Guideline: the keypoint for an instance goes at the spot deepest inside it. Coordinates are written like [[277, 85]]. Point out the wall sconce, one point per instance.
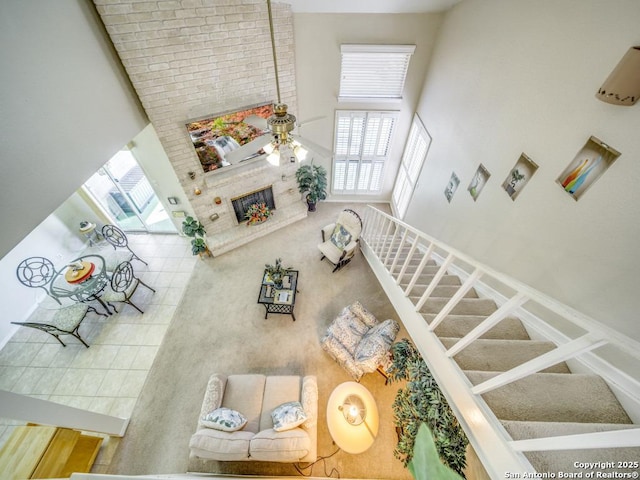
[[622, 86]]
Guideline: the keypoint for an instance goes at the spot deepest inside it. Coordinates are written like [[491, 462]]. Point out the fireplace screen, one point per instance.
[[242, 203]]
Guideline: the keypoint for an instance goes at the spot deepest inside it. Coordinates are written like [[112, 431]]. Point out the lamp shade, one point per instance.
[[622, 87], [352, 417]]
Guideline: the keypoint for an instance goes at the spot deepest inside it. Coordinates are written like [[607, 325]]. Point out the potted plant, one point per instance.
[[312, 181], [194, 229], [422, 401], [276, 273]]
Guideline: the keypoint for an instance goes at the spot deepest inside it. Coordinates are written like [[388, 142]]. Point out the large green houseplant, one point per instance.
[[312, 181], [421, 401], [194, 229]]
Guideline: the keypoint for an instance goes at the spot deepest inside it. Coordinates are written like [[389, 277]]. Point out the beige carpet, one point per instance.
[[219, 327]]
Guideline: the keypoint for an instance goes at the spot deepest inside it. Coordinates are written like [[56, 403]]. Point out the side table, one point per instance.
[[281, 300]]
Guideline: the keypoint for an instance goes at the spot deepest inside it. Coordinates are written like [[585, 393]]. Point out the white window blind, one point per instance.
[[373, 72], [362, 144], [415, 152]]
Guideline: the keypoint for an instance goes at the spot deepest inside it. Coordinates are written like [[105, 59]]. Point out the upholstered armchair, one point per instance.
[[358, 342], [340, 239]]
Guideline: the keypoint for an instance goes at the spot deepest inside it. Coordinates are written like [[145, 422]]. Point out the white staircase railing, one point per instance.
[[391, 246]]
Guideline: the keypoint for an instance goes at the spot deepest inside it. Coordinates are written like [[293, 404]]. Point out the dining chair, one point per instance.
[[118, 239], [66, 321], [37, 272], [123, 285]]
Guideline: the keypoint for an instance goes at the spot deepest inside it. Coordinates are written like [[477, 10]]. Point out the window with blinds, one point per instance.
[[415, 152], [362, 144], [373, 72]]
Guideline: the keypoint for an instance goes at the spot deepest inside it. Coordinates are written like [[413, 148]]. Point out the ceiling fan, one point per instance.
[[279, 125]]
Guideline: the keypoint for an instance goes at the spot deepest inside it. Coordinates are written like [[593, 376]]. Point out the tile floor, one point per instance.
[[107, 377]]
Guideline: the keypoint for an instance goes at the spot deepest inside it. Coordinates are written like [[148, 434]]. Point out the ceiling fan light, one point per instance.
[[300, 152], [274, 157], [269, 147]]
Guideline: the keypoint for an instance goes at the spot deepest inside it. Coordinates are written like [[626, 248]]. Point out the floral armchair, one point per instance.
[[340, 239], [357, 341]]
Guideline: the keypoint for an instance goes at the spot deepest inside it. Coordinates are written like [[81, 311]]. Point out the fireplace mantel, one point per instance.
[[226, 233]]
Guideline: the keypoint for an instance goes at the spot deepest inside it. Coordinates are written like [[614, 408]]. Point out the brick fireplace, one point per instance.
[[194, 58]]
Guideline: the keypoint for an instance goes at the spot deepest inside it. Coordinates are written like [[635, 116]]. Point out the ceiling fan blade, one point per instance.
[[256, 121], [314, 147], [248, 150], [310, 120]]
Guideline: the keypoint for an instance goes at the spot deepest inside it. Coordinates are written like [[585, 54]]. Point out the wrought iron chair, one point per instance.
[[118, 239], [37, 272], [340, 239], [66, 321], [123, 285]]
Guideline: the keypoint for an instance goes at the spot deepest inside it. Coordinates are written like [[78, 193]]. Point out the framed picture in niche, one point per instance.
[[478, 182], [452, 186], [519, 176], [588, 165]]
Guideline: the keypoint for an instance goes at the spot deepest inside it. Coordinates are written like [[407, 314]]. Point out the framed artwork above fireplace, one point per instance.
[[215, 136]]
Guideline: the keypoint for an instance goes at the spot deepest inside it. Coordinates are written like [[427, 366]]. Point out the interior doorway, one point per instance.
[[123, 191]]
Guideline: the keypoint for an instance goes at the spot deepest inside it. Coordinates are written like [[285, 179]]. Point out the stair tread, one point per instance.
[[553, 397], [499, 355], [466, 306], [460, 325], [565, 460]]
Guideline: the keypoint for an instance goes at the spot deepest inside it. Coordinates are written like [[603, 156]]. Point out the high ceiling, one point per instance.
[[369, 6]]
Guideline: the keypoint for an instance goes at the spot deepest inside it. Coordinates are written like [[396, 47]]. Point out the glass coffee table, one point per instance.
[[279, 300]]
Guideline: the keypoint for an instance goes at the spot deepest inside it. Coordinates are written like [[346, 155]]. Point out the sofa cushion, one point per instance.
[[271, 446], [278, 389], [243, 393], [348, 329], [219, 445], [363, 314], [287, 416], [375, 344], [224, 419]]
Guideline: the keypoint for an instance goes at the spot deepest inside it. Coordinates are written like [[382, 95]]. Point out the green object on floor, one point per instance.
[[426, 464]]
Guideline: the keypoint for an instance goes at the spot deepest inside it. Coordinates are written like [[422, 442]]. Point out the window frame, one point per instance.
[[367, 69], [410, 168], [356, 157]]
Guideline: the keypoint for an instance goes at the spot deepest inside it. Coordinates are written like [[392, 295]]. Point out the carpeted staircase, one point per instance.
[[549, 403]]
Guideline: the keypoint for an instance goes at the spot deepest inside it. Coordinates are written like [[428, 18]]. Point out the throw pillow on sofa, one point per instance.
[[224, 419], [287, 416]]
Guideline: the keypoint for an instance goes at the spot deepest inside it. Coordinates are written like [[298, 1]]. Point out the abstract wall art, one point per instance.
[[589, 164]]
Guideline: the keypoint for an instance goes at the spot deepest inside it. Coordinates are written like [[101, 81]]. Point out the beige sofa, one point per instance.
[[256, 396]]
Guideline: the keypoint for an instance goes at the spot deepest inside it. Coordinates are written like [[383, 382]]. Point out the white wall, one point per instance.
[[520, 76], [153, 160], [66, 108], [57, 239], [317, 52]]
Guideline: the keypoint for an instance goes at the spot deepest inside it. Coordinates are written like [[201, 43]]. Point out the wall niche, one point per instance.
[[588, 165]]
